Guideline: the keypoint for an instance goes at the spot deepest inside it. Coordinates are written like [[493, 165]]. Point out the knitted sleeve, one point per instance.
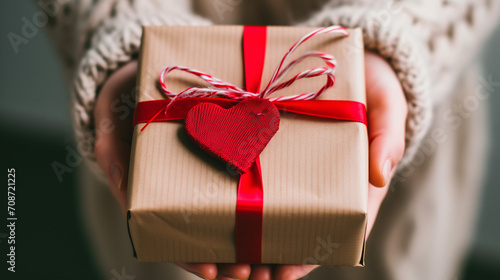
[[428, 43], [94, 38]]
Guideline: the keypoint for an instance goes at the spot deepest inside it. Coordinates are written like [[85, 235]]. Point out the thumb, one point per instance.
[[387, 110]]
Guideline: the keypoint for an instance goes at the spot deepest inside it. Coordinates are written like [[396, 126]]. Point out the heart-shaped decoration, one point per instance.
[[236, 135]]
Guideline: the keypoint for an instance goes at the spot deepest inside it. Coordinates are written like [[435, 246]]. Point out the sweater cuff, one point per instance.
[[115, 44], [392, 36]]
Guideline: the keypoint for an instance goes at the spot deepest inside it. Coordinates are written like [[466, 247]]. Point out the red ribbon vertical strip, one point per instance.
[[250, 197], [254, 53], [249, 206]]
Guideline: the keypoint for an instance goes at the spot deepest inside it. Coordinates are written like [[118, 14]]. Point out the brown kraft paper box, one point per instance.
[[182, 203]]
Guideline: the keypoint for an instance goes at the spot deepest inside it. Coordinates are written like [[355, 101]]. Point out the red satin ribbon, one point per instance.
[[250, 198], [343, 110]]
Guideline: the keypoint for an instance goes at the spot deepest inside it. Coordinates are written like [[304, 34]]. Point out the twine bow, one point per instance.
[[227, 90], [224, 89]]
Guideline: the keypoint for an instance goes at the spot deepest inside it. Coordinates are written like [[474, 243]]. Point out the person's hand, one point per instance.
[[387, 110]]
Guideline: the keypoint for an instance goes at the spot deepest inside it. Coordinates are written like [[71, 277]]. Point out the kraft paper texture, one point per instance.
[[182, 203]]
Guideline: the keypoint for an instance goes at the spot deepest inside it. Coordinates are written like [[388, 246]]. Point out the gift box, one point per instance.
[[184, 205]]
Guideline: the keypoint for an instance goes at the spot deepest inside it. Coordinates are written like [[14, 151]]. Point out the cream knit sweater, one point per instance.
[[428, 42]]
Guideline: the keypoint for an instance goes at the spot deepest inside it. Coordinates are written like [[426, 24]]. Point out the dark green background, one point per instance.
[[35, 132]]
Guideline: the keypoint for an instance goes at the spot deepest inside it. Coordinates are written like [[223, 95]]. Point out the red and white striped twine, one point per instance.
[[224, 89]]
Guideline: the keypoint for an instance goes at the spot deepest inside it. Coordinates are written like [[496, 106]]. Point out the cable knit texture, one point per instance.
[[405, 54], [108, 34], [428, 43]]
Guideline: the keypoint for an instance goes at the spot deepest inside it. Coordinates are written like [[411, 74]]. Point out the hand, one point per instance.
[[387, 110]]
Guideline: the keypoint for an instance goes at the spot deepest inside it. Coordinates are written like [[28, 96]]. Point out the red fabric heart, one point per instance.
[[236, 135]]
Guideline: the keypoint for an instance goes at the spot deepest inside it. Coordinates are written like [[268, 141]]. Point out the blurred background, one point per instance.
[[36, 132]]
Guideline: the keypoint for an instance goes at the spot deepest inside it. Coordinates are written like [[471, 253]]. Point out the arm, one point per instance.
[[98, 43], [94, 40], [427, 43]]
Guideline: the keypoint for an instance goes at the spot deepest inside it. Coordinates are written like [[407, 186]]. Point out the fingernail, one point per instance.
[[201, 276], [234, 278], [386, 171], [117, 176]]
